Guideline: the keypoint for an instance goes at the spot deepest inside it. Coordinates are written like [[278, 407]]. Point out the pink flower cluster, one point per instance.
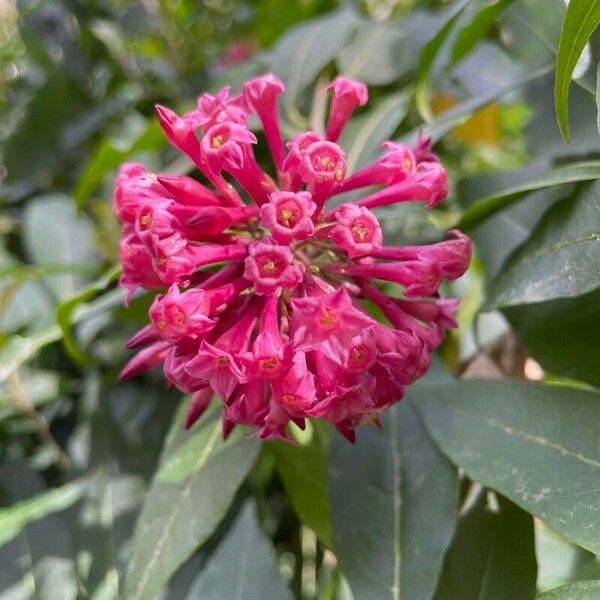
[[267, 298]]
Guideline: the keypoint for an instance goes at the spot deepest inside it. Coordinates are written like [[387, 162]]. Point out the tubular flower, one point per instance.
[[262, 291]]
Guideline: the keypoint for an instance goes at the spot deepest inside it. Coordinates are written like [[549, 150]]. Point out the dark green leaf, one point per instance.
[[244, 565], [562, 335], [537, 445], [189, 497], [303, 469], [581, 19], [582, 590], [482, 209], [394, 507], [492, 555], [560, 258]]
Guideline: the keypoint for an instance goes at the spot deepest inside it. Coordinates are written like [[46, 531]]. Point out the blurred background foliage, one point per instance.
[[78, 450]]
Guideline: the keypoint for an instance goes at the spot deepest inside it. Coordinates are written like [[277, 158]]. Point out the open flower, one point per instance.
[[262, 291]]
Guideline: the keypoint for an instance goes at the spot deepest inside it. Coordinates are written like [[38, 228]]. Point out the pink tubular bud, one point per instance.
[[199, 402], [188, 191], [357, 230], [144, 360], [452, 256], [419, 278], [347, 95], [178, 132], [261, 94]]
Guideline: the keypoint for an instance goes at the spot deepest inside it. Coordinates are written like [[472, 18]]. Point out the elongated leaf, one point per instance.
[[476, 29], [67, 308], [303, 469], [484, 208], [379, 54], [302, 53], [14, 518], [19, 349], [562, 335], [492, 555], [537, 445], [243, 566], [428, 57], [559, 260], [394, 507], [581, 590], [54, 235], [364, 135], [191, 493], [451, 119], [581, 19]]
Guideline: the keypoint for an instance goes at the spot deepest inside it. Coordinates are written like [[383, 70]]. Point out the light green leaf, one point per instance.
[[535, 444], [303, 469], [14, 518], [581, 590], [394, 508], [54, 235], [581, 19], [559, 260], [189, 497], [428, 57], [301, 54], [243, 566], [379, 53], [66, 309], [476, 29], [492, 555], [364, 134], [453, 118], [482, 209], [19, 349]]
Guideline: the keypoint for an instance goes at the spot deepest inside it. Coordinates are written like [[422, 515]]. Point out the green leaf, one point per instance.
[[244, 565], [581, 19], [14, 518], [303, 469], [427, 60], [492, 555], [394, 508], [364, 134], [476, 29], [66, 309], [189, 497], [305, 50], [562, 335], [453, 118], [110, 154], [19, 349], [482, 209], [379, 54], [535, 444], [54, 235], [582, 590], [559, 260]]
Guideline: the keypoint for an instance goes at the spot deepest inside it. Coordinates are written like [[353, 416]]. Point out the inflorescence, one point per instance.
[[267, 285]]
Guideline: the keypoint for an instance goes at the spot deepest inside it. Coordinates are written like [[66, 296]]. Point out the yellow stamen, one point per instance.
[[217, 142]]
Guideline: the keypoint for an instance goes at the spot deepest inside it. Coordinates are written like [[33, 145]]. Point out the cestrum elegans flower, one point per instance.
[[262, 288]]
